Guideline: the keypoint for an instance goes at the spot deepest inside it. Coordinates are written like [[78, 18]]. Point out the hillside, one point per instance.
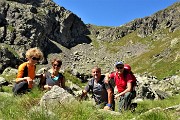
[[150, 45]]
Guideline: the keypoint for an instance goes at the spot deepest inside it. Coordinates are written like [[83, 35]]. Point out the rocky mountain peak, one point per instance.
[[60, 33], [167, 18]]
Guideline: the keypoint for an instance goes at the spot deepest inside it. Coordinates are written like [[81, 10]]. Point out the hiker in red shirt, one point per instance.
[[124, 83]]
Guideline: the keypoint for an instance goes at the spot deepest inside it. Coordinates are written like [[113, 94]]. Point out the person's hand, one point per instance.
[[116, 96], [47, 87], [29, 80], [107, 108]]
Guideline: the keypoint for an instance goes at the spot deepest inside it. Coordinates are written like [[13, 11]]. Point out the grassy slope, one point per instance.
[[80, 110], [161, 66]]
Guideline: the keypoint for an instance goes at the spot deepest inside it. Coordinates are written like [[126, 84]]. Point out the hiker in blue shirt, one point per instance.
[[102, 92], [53, 76]]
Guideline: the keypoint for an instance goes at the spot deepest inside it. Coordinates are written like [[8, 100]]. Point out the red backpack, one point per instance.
[[127, 67]]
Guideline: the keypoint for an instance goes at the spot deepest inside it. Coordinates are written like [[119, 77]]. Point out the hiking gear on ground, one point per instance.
[[132, 107]]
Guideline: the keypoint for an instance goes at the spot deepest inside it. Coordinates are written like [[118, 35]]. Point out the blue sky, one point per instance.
[[113, 12]]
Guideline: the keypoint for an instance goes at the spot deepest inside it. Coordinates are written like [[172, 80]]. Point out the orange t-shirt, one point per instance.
[[31, 72]]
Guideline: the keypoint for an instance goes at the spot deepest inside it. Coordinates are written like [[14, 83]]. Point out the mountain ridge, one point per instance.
[[60, 33]]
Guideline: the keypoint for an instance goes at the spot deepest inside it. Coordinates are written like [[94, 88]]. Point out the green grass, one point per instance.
[[73, 79], [156, 61], [95, 43], [16, 107], [10, 28], [158, 115], [23, 107]]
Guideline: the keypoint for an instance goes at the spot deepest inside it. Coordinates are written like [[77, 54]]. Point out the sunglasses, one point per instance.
[[56, 65], [119, 67], [34, 58]]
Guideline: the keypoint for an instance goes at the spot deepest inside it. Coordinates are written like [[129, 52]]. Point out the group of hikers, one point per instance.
[[101, 86]]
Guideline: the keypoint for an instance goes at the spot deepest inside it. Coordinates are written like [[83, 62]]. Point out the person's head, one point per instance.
[[34, 55], [56, 64], [96, 73], [127, 67], [119, 67]]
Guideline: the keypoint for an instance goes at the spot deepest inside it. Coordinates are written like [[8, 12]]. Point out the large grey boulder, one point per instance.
[[10, 71], [56, 96]]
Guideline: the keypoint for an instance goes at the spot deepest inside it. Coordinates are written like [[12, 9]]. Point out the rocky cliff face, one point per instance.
[[167, 18], [29, 23], [60, 33]]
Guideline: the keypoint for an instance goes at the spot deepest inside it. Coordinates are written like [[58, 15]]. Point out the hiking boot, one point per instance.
[[133, 107]]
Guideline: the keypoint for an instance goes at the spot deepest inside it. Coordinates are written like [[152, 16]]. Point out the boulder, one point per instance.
[[56, 96]]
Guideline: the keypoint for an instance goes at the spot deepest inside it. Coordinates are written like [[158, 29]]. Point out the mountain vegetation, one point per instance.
[[151, 45]]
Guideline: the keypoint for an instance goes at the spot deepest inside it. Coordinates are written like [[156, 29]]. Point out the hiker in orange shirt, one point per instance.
[[26, 71]]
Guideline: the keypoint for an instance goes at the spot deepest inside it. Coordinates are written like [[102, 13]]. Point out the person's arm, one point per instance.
[[46, 75], [84, 92], [20, 73], [107, 78], [128, 89], [21, 70], [109, 90], [20, 80], [110, 98], [110, 95]]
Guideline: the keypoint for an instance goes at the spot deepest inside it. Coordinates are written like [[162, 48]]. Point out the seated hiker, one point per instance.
[[101, 91], [26, 71], [53, 76], [123, 81]]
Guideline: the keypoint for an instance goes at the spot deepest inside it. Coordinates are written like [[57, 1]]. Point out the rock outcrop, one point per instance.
[[167, 18], [31, 23], [56, 96]]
